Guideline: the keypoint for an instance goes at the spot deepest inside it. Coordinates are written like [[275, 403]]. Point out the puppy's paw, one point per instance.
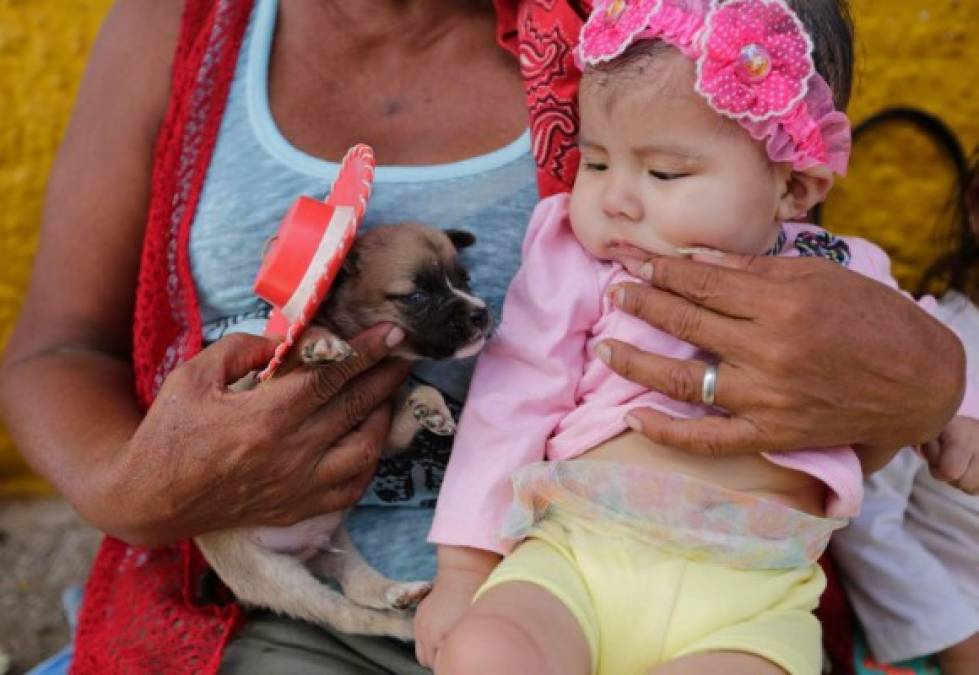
[[428, 408], [247, 383], [329, 349], [407, 595]]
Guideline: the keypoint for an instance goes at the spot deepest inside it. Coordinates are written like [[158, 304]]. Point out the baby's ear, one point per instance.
[[461, 238], [803, 190]]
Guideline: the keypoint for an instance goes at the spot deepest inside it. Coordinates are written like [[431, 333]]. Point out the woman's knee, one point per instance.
[[492, 644]]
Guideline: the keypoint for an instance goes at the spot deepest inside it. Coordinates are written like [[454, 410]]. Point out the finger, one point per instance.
[[681, 318], [734, 261], [234, 356], [354, 402], [712, 435], [423, 653], [305, 389], [951, 463], [728, 290], [931, 451], [969, 482], [356, 451], [677, 379]]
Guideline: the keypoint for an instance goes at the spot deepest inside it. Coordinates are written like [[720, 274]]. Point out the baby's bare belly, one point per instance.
[[745, 473]]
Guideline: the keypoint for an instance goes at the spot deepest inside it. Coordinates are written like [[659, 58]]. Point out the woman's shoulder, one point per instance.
[[135, 49]]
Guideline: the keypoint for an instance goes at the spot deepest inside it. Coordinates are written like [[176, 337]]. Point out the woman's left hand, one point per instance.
[[809, 354]]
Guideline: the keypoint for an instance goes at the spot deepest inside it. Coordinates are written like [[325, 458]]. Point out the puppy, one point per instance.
[[408, 275]]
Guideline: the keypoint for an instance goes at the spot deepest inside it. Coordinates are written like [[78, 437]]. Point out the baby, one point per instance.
[[704, 125]]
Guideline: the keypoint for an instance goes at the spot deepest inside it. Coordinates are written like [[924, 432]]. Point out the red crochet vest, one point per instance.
[[144, 610]]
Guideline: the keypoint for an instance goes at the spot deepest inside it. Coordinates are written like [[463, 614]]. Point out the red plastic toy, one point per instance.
[[303, 259]]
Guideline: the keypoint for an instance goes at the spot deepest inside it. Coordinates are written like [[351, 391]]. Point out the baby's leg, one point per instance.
[[728, 663], [516, 627]]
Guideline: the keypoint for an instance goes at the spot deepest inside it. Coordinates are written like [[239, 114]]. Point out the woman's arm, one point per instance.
[[202, 458], [811, 355]]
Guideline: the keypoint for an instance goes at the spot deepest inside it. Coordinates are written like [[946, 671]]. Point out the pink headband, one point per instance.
[[754, 65]]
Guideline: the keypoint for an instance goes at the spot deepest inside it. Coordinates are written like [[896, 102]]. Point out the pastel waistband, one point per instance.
[[669, 510]]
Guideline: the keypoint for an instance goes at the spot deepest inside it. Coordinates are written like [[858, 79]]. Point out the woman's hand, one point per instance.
[[809, 354], [207, 458]]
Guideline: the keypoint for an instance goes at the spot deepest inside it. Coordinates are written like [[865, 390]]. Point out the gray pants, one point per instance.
[[273, 645]]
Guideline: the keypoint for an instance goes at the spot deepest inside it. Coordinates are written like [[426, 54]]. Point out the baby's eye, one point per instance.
[[595, 166], [667, 175]]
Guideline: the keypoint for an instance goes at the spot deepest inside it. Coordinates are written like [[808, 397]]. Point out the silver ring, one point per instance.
[[710, 385]]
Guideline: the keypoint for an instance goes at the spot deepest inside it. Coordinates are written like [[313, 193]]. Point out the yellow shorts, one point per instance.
[[639, 607]]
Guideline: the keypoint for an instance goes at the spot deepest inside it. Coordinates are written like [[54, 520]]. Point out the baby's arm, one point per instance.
[[525, 382], [461, 571], [953, 457]]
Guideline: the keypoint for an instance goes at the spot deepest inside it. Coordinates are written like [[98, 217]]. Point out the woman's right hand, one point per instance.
[[205, 457]]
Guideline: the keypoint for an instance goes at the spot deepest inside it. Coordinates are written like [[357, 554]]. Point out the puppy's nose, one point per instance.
[[479, 317]]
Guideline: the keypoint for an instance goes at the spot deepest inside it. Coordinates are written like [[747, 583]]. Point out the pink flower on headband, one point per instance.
[[756, 60], [612, 26]]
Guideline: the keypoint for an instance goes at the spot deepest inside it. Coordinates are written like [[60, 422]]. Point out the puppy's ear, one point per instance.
[[461, 238], [351, 265]]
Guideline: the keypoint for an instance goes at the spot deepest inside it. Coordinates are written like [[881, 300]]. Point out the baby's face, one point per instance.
[[660, 170]]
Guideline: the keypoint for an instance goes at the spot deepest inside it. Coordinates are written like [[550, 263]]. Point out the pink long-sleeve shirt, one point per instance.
[[539, 391]]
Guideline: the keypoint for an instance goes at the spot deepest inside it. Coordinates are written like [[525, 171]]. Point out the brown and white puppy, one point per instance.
[[408, 275]]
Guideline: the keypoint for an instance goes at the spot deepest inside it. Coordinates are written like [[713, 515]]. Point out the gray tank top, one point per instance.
[[256, 174]]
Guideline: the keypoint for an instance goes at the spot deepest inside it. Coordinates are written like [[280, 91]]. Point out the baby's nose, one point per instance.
[[620, 200]]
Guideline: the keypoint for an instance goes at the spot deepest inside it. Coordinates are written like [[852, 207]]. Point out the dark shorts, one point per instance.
[[270, 643]]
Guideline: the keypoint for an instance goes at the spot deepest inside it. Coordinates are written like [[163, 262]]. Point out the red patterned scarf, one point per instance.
[[145, 610]]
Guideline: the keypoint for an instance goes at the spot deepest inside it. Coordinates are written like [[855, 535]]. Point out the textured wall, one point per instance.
[[912, 52], [921, 53], [43, 44]]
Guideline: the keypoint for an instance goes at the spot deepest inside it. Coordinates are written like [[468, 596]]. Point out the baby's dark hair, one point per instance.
[[958, 268], [828, 23]]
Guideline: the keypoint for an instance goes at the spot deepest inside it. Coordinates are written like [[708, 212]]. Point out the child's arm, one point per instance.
[[953, 457], [525, 381]]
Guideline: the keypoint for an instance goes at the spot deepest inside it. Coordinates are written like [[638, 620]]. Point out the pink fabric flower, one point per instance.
[[756, 59], [612, 26]]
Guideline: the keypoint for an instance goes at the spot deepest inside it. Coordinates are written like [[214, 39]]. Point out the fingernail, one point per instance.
[[604, 352], [617, 295], [394, 337], [633, 423], [646, 271], [694, 251]]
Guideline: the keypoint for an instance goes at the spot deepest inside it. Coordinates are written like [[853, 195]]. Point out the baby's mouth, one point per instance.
[[625, 250]]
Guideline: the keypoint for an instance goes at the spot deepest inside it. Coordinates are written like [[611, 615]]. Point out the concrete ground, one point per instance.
[[44, 548]]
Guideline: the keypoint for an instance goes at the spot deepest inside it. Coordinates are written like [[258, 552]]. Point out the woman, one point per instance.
[[261, 98]]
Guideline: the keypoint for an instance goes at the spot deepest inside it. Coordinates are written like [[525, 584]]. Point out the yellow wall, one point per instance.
[[43, 45], [912, 52], [921, 53]]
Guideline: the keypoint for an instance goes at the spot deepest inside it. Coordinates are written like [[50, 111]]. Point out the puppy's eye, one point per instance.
[[415, 299]]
